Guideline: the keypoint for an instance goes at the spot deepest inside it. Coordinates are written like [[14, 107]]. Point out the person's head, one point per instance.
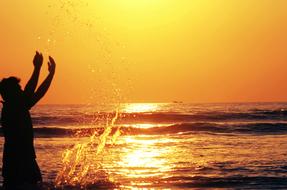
[[10, 89]]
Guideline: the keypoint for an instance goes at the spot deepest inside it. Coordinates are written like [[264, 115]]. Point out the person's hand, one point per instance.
[[38, 60], [51, 65]]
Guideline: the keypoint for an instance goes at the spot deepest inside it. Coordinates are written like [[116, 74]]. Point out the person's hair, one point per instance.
[[8, 87]]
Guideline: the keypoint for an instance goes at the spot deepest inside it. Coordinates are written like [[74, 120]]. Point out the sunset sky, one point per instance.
[[150, 50]]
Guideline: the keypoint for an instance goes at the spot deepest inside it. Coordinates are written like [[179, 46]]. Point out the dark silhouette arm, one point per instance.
[[43, 88], [32, 83]]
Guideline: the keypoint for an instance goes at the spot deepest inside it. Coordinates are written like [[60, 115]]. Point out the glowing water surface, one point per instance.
[[173, 162], [140, 107], [166, 160]]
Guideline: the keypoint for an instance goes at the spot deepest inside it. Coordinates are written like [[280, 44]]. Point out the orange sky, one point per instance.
[[150, 50]]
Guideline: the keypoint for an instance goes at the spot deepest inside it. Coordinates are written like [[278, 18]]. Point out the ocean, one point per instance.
[[162, 145]]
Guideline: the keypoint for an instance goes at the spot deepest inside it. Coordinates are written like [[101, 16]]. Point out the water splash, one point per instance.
[[80, 165], [75, 18]]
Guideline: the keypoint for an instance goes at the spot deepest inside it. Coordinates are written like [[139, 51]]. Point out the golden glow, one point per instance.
[[144, 125], [151, 50], [138, 4], [140, 107], [144, 157]]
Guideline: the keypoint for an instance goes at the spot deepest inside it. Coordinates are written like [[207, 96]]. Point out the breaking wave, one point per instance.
[[184, 128]]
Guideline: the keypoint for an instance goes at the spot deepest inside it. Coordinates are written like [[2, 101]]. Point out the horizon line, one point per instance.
[[171, 102]]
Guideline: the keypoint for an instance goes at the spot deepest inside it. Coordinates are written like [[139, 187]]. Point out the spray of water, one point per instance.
[[79, 165]]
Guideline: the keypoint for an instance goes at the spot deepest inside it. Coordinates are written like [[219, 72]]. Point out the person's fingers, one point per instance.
[[51, 60]]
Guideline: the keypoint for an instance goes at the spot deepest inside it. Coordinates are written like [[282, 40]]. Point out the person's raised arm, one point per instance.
[[43, 88], [32, 83]]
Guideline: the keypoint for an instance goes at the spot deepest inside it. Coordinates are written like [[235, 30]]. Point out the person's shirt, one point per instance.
[[17, 129]]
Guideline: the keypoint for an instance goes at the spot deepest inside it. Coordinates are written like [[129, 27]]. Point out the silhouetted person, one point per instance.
[[20, 169]]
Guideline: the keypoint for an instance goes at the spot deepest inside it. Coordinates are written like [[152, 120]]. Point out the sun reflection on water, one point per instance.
[[144, 158], [140, 107]]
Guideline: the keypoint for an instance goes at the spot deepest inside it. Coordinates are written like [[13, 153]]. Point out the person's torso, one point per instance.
[[18, 131]]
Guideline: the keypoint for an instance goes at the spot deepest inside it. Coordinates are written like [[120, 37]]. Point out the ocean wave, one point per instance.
[[242, 182], [234, 128], [175, 182], [161, 117], [180, 129]]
